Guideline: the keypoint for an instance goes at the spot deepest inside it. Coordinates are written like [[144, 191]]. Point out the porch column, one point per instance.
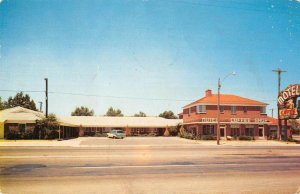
[[1, 130]]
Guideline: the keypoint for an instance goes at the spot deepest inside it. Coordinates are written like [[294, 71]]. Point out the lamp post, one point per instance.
[[219, 91]]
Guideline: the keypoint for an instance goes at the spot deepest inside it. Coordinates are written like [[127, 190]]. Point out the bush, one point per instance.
[[13, 135], [291, 140], [28, 135], [184, 134], [51, 134], [208, 137], [246, 138], [174, 130]]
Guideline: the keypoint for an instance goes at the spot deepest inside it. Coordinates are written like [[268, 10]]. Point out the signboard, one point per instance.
[[260, 120], [287, 102], [240, 120], [209, 120]]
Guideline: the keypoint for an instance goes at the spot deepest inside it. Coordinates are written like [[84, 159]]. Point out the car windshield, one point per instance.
[[120, 132]]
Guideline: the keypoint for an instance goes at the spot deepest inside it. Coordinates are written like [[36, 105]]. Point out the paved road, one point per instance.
[[172, 167]]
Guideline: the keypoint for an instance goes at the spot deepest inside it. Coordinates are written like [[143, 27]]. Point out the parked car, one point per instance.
[[119, 134]]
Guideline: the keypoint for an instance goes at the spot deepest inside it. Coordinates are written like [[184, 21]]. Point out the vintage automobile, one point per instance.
[[118, 134]]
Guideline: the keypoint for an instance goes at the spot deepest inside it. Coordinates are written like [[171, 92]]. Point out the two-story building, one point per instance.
[[239, 116]]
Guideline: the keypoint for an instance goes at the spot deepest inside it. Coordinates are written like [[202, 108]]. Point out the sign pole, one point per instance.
[[278, 71]]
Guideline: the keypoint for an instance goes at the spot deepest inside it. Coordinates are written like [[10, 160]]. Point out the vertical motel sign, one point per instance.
[[289, 108]]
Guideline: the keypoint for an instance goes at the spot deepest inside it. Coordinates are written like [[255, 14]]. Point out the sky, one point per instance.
[[146, 55]]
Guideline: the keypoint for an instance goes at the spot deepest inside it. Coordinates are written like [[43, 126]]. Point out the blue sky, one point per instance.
[[146, 55]]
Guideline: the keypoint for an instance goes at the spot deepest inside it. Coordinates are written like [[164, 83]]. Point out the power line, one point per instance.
[[101, 96], [116, 97]]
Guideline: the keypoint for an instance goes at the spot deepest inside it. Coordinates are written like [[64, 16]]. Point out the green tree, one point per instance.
[[168, 115], [114, 112], [46, 128], [140, 114], [83, 111], [21, 100], [2, 106]]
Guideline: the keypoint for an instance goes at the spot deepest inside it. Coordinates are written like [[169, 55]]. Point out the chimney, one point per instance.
[[208, 93]]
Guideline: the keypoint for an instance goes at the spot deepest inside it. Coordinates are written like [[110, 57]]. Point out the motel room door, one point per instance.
[[222, 132]]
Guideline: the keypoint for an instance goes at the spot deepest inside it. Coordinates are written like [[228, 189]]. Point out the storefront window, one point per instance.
[[249, 132], [235, 132], [208, 129]]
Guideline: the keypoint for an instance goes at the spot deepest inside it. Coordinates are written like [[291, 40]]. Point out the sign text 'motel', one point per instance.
[[289, 92], [287, 101]]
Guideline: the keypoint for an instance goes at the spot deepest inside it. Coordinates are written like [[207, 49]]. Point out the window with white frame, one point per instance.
[[201, 109], [233, 110], [263, 110]]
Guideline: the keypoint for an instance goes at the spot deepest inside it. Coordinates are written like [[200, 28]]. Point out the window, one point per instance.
[[221, 109], [249, 132], [245, 109], [235, 132], [233, 110], [263, 110], [208, 129], [201, 108]]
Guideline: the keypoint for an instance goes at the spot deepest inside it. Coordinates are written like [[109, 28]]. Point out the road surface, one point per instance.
[[171, 167]]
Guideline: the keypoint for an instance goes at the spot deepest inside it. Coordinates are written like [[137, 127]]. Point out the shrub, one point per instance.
[[291, 140], [184, 134], [51, 134], [173, 131], [28, 135], [209, 137], [246, 138], [13, 135]]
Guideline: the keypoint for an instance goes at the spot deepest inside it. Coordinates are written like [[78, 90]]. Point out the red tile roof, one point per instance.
[[273, 121], [227, 99]]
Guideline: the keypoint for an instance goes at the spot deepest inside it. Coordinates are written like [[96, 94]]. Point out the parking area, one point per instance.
[[139, 142], [135, 141]]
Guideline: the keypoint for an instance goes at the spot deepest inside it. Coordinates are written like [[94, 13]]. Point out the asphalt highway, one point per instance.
[[161, 169]]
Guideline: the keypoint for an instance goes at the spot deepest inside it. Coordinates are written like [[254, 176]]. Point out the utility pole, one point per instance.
[[41, 104], [218, 123], [272, 109], [46, 80], [279, 71]]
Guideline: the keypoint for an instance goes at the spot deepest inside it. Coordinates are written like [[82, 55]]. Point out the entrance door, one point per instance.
[[261, 132], [222, 132]]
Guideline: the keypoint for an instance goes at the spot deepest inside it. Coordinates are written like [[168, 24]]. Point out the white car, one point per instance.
[[119, 134]]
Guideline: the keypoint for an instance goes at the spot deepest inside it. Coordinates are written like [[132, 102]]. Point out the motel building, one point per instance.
[[239, 116], [22, 120]]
